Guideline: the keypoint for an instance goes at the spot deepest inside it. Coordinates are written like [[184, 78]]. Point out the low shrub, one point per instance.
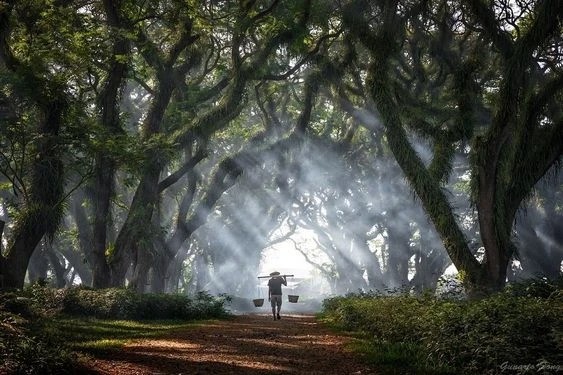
[[125, 304], [393, 318], [26, 347], [540, 287], [481, 336], [511, 328], [104, 303]]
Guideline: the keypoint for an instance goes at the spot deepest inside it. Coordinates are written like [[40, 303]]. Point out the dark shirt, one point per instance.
[[275, 284]]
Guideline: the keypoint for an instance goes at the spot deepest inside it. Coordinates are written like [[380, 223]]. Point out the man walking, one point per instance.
[[275, 292]]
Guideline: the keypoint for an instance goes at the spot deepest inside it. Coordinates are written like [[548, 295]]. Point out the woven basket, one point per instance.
[[258, 302], [292, 299]]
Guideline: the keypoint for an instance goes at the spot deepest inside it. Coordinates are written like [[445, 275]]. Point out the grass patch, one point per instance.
[[94, 336], [388, 357], [395, 358]]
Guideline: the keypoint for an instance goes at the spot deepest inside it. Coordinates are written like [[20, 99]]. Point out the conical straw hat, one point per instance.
[[275, 273]]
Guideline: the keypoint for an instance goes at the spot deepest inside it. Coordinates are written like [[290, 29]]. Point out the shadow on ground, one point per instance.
[[245, 344]]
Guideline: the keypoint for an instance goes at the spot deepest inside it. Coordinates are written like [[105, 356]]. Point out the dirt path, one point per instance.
[[247, 344]]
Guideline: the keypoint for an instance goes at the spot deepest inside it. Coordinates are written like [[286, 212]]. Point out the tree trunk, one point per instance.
[[42, 211], [369, 261], [38, 265], [85, 240], [42, 214], [78, 263], [430, 264], [398, 254], [384, 46], [58, 268], [142, 264], [159, 277], [161, 269], [175, 280], [201, 273], [517, 149], [104, 170], [2, 224], [134, 231], [147, 194], [498, 251]]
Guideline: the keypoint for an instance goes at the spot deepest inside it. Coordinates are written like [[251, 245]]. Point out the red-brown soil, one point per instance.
[[246, 344]]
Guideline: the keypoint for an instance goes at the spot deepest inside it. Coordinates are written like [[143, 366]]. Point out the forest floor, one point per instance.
[[245, 344]]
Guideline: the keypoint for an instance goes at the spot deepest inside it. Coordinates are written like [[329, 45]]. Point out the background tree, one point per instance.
[[167, 128], [38, 74], [500, 183]]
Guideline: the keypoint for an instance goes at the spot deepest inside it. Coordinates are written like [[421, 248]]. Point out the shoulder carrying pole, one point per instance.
[[267, 277]]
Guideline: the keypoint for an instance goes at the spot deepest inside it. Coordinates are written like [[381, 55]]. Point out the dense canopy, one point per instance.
[[164, 145]]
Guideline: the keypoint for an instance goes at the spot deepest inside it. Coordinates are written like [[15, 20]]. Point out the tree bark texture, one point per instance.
[[105, 165]]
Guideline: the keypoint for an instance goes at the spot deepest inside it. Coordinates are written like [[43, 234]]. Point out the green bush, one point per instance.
[[480, 336], [392, 318], [540, 287], [125, 304], [26, 347], [104, 303]]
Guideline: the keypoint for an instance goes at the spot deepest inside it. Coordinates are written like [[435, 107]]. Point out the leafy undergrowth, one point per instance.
[[27, 347], [41, 328], [516, 330]]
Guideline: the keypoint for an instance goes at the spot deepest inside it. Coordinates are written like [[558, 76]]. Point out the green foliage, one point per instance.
[[26, 347], [538, 287], [126, 304], [38, 333], [390, 329], [407, 317], [481, 336], [461, 336]]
